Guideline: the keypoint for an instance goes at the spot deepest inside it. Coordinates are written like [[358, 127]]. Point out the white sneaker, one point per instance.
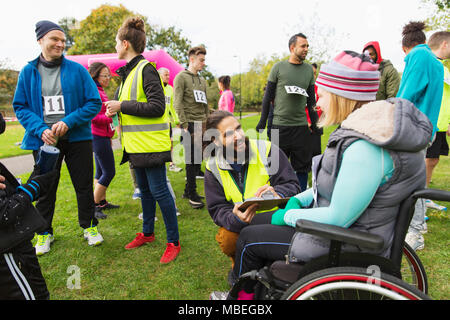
[[178, 213], [425, 228], [218, 295], [93, 236], [430, 204], [173, 167], [137, 194], [141, 215], [43, 243], [415, 240]]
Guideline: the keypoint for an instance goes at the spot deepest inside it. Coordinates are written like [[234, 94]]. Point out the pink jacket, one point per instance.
[[101, 124], [226, 101]]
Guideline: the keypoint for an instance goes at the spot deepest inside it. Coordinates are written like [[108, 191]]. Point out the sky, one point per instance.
[[234, 31]]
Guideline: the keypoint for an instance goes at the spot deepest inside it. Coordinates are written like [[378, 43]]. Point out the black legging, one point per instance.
[[259, 244]]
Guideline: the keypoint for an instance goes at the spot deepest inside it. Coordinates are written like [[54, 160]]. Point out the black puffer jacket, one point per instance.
[[155, 107], [19, 219]]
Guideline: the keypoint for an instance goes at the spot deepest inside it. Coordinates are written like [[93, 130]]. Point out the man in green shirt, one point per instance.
[[290, 87], [191, 104]]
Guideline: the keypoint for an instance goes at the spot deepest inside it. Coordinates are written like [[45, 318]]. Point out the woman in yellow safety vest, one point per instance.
[[144, 127]]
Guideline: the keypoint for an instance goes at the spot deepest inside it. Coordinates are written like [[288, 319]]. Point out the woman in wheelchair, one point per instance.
[[372, 162]]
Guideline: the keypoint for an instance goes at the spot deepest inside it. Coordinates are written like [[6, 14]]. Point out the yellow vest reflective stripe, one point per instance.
[[142, 134], [168, 92], [255, 177]]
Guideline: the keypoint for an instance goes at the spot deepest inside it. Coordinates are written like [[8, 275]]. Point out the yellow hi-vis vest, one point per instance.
[[142, 134], [255, 177], [168, 91]]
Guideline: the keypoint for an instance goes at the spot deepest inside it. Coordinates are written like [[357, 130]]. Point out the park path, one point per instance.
[[24, 164]]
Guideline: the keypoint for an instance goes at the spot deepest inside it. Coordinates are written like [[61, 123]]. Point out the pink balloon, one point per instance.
[[159, 57]]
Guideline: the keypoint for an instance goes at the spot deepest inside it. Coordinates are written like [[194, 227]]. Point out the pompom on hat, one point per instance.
[[350, 75], [43, 27]]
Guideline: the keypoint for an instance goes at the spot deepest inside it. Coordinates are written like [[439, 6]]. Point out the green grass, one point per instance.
[[13, 135], [111, 272]]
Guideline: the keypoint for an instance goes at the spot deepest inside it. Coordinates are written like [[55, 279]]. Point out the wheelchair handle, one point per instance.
[[335, 233], [432, 194]]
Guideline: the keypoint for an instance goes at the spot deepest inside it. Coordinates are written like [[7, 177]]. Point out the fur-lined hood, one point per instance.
[[394, 124]]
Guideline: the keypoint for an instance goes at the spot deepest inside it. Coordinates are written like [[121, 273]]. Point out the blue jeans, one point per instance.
[[153, 185]]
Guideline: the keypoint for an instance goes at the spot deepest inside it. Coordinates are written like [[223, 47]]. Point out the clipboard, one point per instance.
[[264, 204]]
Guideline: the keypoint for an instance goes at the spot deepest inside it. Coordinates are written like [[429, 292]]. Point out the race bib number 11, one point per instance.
[[54, 105], [200, 96]]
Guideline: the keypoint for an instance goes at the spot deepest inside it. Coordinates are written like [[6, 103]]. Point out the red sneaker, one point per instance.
[[171, 253], [139, 241]]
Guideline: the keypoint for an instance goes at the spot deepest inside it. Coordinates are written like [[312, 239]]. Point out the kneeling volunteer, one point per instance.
[[253, 168]]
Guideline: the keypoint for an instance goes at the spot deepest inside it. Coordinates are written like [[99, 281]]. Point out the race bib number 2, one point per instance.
[[54, 105], [296, 90], [200, 96]]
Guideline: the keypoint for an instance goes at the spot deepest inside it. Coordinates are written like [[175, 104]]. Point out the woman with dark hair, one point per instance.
[[102, 132], [422, 84], [226, 101], [144, 129]]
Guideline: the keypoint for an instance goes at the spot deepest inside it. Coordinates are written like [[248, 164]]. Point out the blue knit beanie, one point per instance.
[[43, 27]]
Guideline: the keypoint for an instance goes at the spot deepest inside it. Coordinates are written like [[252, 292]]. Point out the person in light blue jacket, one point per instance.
[[372, 162], [55, 100], [423, 84]]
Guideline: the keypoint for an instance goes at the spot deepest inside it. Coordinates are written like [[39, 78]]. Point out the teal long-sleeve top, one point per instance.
[[423, 82], [364, 168]]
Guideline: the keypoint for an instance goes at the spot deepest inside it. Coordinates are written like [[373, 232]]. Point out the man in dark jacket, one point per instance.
[[390, 79], [20, 273]]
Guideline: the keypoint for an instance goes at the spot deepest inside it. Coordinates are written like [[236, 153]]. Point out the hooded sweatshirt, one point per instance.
[[373, 161], [186, 86], [389, 77]]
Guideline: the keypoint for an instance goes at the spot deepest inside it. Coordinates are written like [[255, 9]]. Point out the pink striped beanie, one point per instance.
[[351, 75]]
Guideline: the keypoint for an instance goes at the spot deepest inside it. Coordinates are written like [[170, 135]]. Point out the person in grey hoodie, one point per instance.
[[372, 162], [191, 105]]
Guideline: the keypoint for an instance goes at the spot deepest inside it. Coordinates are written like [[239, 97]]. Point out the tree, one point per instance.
[[249, 87], [68, 24], [438, 16], [322, 38], [97, 33], [8, 82]]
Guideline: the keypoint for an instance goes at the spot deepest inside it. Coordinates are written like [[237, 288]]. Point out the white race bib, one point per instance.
[[296, 90], [54, 105], [168, 100], [200, 96]]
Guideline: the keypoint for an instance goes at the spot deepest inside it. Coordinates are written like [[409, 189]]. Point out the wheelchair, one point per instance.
[[342, 275]]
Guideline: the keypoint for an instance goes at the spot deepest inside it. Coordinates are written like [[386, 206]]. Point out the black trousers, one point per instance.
[[192, 143], [296, 144], [78, 157], [21, 277], [260, 244]]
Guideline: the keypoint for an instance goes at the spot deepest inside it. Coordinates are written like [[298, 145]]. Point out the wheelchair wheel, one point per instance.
[[412, 269], [349, 283]]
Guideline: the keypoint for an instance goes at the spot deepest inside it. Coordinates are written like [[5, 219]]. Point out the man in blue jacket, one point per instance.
[[55, 100]]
